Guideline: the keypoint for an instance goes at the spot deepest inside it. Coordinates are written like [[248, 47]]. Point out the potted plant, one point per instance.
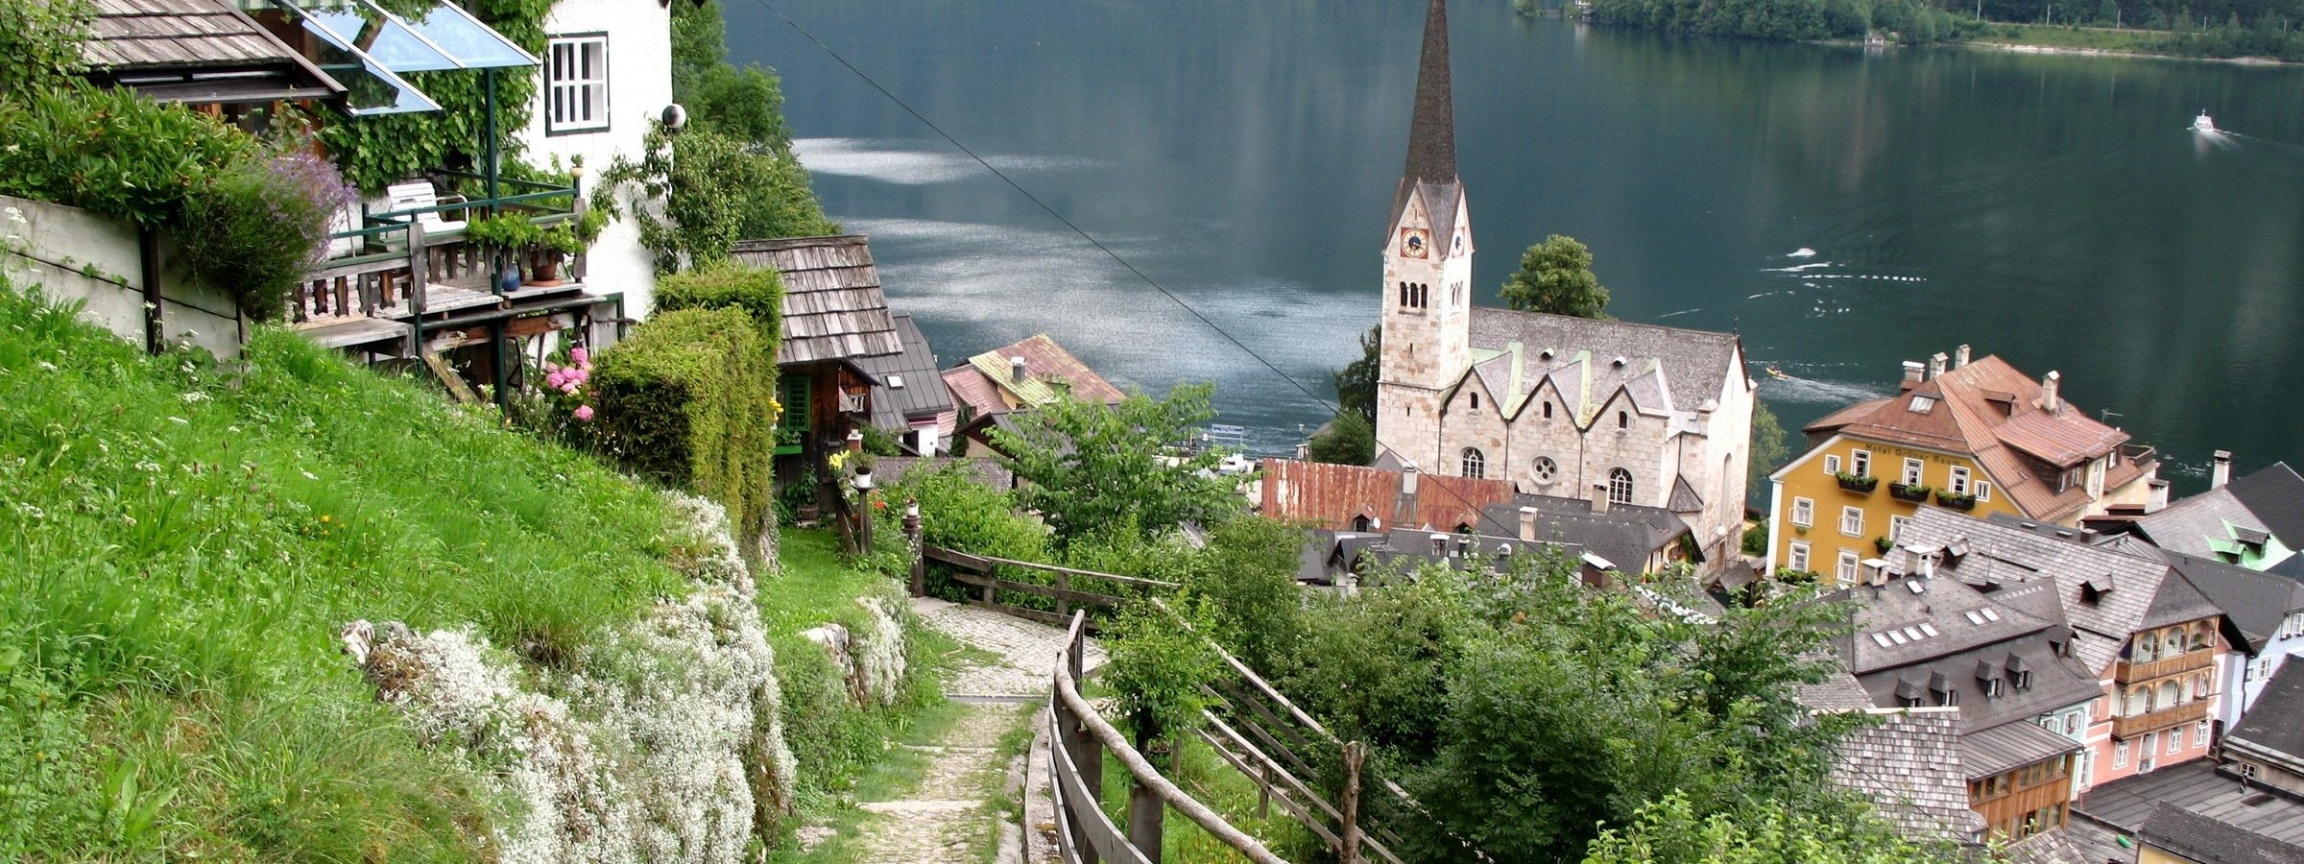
[[1956, 502], [1863, 483], [1909, 491], [558, 243], [1883, 544], [502, 233]]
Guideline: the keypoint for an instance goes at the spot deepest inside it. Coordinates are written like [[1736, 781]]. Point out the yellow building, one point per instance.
[[1977, 437]]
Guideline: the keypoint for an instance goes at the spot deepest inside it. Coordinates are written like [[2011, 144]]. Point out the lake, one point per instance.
[[2054, 210]]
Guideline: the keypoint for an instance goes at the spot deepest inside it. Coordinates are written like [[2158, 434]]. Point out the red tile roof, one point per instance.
[[1332, 496]]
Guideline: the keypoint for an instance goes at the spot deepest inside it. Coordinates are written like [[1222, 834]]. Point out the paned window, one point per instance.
[[1475, 463], [2200, 734], [1983, 490], [1798, 559], [1959, 484], [1896, 527], [1832, 465], [2119, 754], [1803, 512], [578, 87], [1846, 571], [2175, 740], [1619, 486], [1852, 521], [1914, 470], [1860, 463]]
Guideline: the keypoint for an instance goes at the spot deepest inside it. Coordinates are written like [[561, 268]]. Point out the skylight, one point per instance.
[[1974, 618], [1990, 615], [1882, 639], [1914, 633], [1898, 636], [1921, 404], [1929, 629], [895, 382]]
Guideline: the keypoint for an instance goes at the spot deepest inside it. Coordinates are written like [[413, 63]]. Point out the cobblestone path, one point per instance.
[[945, 818]]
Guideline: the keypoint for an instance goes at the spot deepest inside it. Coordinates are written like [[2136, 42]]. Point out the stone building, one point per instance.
[[1630, 414]]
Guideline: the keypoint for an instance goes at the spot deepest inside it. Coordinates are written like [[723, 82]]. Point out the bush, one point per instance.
[[1350, 440], [260, 228], [40, 42], [759, 292], [687, 402]]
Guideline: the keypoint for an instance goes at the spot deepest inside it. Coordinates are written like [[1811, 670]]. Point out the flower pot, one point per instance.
[[1913, 492], [1859, 484], [544, 270]]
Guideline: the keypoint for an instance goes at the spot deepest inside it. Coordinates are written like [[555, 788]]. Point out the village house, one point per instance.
[[2255, 522], [909, 399], [2148, 638], [835, 320], [2245, 806], [1976, 437], [1567, 407], [1017, 377]]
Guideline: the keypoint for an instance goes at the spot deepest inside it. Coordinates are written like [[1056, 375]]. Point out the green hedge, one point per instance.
[[688, 402], [759, 292]]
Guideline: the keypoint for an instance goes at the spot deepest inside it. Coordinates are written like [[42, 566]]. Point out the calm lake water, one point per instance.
[[2054, 210]]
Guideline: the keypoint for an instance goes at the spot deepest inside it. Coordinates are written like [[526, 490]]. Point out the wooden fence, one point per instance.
[[977, 572]]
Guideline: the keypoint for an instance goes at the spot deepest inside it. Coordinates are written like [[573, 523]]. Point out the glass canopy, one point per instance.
[[368, 48]]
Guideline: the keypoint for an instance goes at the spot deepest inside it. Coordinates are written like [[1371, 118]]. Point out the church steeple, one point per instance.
[[1432, 136]]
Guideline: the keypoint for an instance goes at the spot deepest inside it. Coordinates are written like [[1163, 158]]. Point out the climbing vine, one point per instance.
[[377, 151]]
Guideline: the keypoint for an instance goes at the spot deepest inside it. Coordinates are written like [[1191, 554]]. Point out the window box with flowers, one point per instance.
[[1913, 492], [1956, 502], [1862, 484]]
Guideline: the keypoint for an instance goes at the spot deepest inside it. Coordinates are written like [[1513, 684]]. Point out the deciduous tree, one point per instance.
[[1556, 277], [1091, 465]]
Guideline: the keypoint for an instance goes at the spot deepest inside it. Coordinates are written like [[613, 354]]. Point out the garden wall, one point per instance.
[[77, 255]]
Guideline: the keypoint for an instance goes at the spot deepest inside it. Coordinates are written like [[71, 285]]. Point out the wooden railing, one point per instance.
[[2126, 671], [977, 572], [2136, 725], [1078, 739], [392, 268]]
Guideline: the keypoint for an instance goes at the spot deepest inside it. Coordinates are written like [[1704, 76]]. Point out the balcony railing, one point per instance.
[[2138, 724], [391, 268], [2126, 671]]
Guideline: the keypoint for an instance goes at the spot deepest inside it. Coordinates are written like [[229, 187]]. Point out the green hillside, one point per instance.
[[180, 544]]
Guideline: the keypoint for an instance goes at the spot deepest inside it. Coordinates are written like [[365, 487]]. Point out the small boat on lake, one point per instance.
[[2203, 124]]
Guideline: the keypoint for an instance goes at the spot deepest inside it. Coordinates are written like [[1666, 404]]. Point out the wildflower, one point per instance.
[[195, 396], [179, 421], [308, 476], [584, 413], [327, 518]]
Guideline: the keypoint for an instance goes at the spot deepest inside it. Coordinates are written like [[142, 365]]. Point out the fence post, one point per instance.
[[1348, 844], [1145, 809], [1063, 583], [912, 542]]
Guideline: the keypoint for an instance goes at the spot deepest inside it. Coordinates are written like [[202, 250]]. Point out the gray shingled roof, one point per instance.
[[2200, 838], [2125, 804], [2130, 588], [2010, 745], [1625, 535], [2276, 723], [922, 394], [199, 51], [833, 306], [1839, 692], [1910, 766], [2189, 525], [1695, 363], [2276, 496], [2254, 602]]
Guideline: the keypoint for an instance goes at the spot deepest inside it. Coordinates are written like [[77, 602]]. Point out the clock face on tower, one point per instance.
[[1415, 243]]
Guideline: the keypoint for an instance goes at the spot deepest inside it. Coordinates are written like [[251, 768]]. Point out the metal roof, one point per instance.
[[1332, 496], [2276, 496], [2010, 745], [1626, 535], [2194, 525], [833, 306], [2202, 838], [2276, 723], [2196, 786], [1663, 369], [906, 386]]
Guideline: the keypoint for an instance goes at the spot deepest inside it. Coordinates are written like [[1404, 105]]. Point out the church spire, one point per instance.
[[1432, 135]]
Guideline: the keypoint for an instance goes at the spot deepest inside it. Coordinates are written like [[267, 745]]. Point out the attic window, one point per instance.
[[1618, 362], [1990, 615], [895, 382], [1475, 401], [2093, 591], [1921, 404]]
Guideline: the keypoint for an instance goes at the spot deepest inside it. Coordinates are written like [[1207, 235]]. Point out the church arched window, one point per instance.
[[1619, 486], [1475, 463], [1475, 401], [1403, 295], [1456, 294], [1547, 410], [1623, 420]]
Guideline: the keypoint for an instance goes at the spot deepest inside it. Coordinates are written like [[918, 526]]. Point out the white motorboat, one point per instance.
[[2203, 124]]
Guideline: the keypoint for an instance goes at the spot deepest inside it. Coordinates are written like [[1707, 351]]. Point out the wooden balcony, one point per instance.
[[2126, 672], [2134, 726]]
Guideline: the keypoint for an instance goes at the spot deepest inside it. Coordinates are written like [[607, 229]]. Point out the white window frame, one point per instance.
[[1849, 566], [2200, 733], [1797, 559], [1983, 490], [1896, 528], [1915, 471], [1959, 484], [1804, 512], [1852, 516], [568, 94], [1860, 463], [2119, 754], [2175, 740], [1832, 465]]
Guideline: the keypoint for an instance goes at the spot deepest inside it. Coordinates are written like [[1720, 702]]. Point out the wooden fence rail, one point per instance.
[[976, 571]]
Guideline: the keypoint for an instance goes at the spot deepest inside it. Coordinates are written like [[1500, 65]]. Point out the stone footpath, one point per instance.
[[945, 819]]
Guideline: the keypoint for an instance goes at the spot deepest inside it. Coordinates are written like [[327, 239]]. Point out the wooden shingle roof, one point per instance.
[[833, 306], [196, 51]]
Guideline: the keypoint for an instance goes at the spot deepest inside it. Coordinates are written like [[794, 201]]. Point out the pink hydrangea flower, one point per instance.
[[569, 388], [584, 412], [581, 356]]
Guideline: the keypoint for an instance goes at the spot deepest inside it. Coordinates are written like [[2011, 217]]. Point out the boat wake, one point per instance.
[[1781, 386]]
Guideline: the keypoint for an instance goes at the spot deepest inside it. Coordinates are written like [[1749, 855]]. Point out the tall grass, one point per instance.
[[179, 545]]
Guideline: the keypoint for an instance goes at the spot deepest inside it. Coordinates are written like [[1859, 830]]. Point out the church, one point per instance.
[[1606, 411]]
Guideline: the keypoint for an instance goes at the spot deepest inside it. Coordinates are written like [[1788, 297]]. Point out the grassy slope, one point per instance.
[[178, 548]]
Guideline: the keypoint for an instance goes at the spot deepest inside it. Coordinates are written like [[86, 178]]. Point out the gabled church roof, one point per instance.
[[1431, 174]]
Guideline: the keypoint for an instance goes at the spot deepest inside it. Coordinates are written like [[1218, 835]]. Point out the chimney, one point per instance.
[[2050, 400], [1936, 365], [1914, 373], [1599, 497], [1960, 356], [1528, 524], [2220, 471], [1016, 369]]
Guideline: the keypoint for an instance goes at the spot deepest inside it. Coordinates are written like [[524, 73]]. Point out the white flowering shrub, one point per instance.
[[665, 744], [879, 648]]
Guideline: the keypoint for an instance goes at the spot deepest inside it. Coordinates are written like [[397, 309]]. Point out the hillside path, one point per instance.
[[946, 817]]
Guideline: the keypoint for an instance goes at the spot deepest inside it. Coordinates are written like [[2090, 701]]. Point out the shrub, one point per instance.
[[687, 402], [260, 227], [759, 292], [40, 42]]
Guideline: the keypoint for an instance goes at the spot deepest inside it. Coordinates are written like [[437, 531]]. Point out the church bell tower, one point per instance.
[[1427, 293]]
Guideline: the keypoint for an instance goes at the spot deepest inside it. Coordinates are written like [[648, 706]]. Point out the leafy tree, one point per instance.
[[694, 194], [1356, 382], [40, 43], [743, 103], [1247, 574], [1669, 831], [1556, 277], [1091, 465], [1350, 440], [1767, 450], [1156, 672]]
